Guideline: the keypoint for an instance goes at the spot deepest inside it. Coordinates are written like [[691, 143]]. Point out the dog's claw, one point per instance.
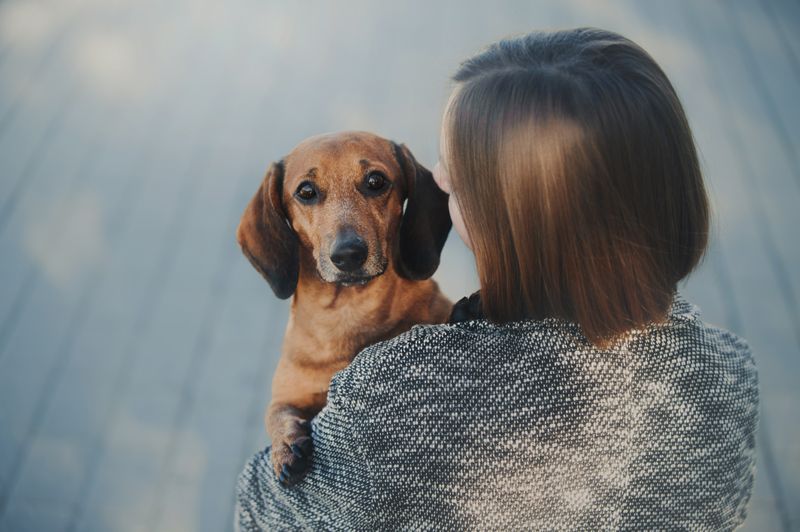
[[305, 444], [296, 451]]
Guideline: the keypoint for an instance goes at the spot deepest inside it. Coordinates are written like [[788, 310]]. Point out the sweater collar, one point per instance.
[[680, 307], [468, 308]]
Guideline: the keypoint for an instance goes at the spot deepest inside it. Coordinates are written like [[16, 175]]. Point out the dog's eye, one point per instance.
[[306, 191], [375, 182]]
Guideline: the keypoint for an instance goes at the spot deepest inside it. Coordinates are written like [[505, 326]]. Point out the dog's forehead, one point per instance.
[[339, 152]]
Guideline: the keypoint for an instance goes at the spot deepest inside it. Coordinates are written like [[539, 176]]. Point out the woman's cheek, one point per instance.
[[458, 221]]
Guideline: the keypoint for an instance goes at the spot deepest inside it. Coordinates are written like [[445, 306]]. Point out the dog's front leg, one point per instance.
[[299, 392]]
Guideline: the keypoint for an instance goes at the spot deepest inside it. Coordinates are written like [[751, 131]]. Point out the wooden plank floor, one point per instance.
[[136, 342]]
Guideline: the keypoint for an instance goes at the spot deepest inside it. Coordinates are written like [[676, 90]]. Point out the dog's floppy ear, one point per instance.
[[266, 237], [426, 219]]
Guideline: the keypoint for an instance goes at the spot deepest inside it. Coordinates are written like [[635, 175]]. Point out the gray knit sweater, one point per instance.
[[526, 426]]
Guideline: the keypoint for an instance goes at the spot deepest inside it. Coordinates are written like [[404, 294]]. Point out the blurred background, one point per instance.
[[137, 344]]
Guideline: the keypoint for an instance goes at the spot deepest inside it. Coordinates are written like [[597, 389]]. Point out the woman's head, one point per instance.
[[571, 160]]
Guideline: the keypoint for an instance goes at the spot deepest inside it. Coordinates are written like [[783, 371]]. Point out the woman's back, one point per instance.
[[526, 425]]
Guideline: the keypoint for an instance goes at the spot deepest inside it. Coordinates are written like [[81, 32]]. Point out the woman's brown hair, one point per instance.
[[573, 163]]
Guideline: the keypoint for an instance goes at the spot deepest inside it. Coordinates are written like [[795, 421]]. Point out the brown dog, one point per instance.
[[327, 225]]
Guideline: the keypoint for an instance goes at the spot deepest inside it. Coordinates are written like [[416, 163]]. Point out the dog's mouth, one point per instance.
[[356, 280]]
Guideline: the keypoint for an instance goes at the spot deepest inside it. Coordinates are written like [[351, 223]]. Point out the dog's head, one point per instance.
[[341, 196]]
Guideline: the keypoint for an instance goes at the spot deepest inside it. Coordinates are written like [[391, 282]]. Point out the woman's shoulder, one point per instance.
[[469, 343], [692, 360], [418, 342], [686, 331], [467, 330]]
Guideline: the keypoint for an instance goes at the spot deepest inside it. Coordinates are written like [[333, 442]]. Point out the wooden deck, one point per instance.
[[137, 343]]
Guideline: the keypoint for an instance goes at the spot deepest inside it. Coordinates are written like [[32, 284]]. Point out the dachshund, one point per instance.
[[327, 226]]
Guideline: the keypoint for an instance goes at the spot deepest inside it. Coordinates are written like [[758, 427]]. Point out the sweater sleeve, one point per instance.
[[334, 495]]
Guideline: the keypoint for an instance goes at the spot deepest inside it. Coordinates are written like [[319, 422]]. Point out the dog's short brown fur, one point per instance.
[[336, 313]]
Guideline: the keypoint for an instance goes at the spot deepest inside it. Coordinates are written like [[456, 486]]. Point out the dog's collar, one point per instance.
[[467, 308]]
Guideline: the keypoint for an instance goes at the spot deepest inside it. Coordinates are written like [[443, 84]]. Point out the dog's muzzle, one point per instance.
[[351, 261]]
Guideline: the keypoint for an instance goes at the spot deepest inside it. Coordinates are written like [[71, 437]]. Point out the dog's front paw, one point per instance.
[[467, 308], [291, 454]]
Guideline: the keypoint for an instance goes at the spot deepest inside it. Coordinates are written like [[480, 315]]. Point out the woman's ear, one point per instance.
[[426, 220], [266, 238]]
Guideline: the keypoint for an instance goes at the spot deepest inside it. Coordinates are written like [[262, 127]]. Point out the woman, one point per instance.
[[589, 393]]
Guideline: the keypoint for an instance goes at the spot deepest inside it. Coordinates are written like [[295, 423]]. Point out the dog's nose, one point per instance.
[[349, 251]]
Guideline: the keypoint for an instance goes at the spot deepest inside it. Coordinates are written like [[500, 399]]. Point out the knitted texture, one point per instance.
[[526, 426]]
